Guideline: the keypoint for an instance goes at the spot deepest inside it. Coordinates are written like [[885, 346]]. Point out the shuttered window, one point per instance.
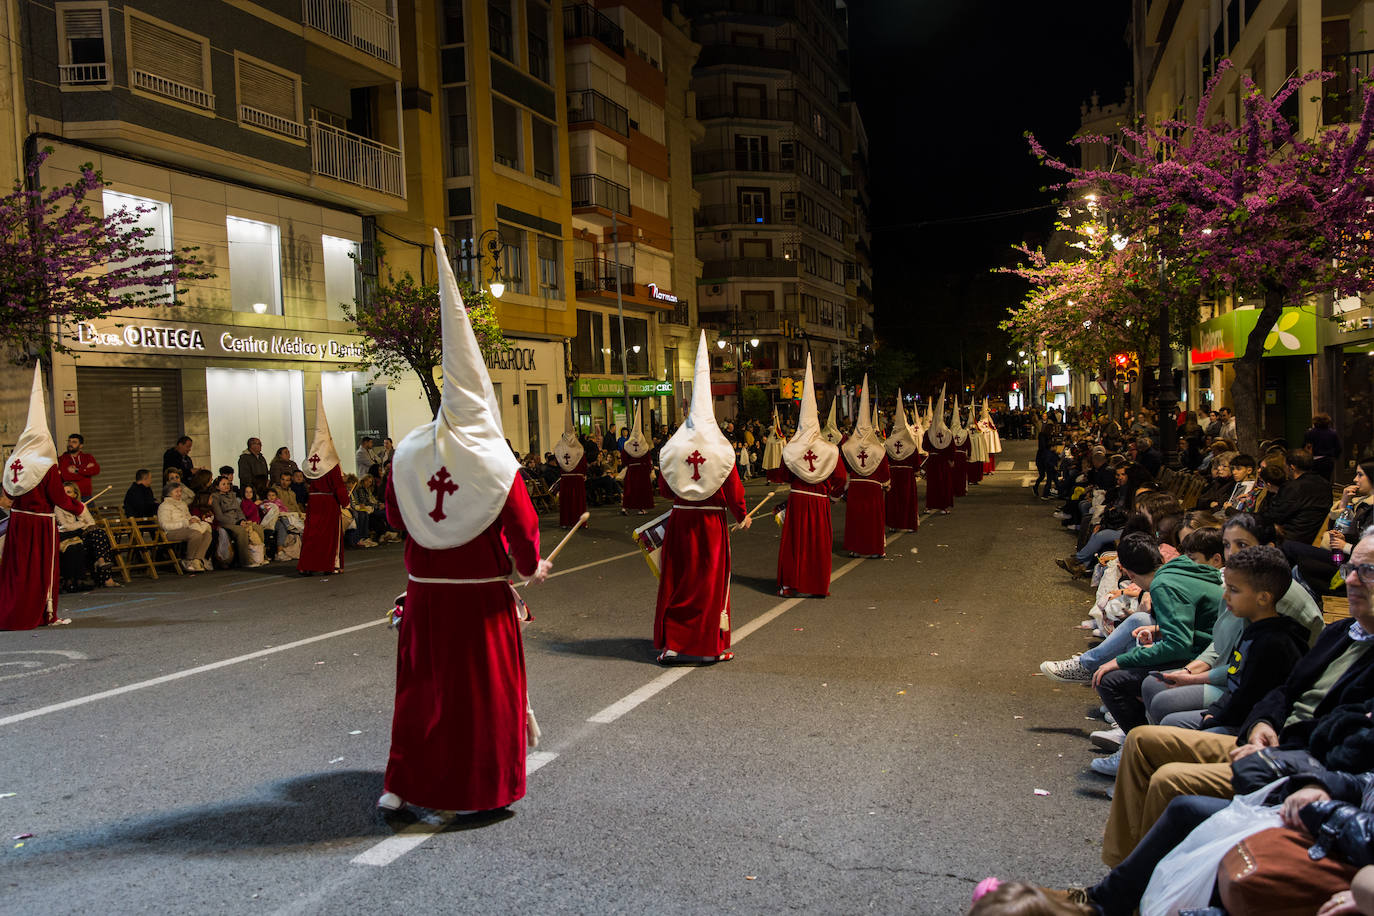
[[171, 55], [131, 417], [267, 90], [84, 30]]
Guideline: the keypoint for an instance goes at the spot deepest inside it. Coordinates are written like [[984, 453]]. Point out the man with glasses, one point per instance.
[[1160, 762]]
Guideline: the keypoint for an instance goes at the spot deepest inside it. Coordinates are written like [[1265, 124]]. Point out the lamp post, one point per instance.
[[492, 242]]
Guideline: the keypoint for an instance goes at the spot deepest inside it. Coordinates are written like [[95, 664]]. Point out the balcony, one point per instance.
[[356, 24], [680, 315], [730, 215], [588, 105], [1344, 96], [84, 74], [598, 275], [275, 123], [171, 89], [356, 160], [728, 160], [592, 192], [582, 20], [780, 8], [734, 56], [749, 267], [750, 109]]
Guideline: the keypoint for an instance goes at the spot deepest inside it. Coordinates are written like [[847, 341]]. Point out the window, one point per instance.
[[500, 25], [648, 192], [464, 253], [269, 99], [789, 206], [809, 307], [156, 221], [787, 155], [636, 347], [340, 275], [168, 62], [513, 259], [756, 248], [751, 153], [254, 266], [452, 16], [537, 23], [753, 205], [456, 109], [545, 150], [550, 254], [756, 300], [83, 44], [588, 348], [505, 133]]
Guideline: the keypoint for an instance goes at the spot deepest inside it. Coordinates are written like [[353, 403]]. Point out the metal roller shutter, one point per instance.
[[168, 54], [129, 418], [267, 90]]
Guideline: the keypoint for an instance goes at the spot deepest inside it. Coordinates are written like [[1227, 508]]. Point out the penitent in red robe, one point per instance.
[[903, 507], [959, 469], [865, 514], [939, 467], [28, 570], [322, 543], [639, 482], [975, 471], [693, 612], [458, 731], [807, 535], [572, 495]]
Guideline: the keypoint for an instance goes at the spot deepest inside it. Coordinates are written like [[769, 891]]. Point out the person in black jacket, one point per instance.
[[1301, 504], [139, 499]]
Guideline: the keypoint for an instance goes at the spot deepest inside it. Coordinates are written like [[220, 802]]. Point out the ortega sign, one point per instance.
[[176, 339]]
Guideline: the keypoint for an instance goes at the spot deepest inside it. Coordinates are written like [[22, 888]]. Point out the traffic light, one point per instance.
[[1126, 367], [785, 388]]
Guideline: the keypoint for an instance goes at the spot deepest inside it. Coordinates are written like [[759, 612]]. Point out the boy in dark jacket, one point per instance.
[[1271, 644]]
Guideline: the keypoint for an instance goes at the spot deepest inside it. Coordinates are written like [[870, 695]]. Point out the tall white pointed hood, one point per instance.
[[568, 449], [772, 448], [807, 454], [831, 432], [698, 458], [321, 457], [35, 452], [863, 451], [989, 426], [904, 439], [938, 433], [637, 446], [453, 475], [959, 429]]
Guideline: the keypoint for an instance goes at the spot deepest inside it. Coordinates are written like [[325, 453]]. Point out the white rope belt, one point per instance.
[[426, 581], [574, 475], [809, 493], [858, 479], [27, 512], [701, 508]]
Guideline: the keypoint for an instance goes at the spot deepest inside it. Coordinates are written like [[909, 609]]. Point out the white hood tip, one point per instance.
[[35, 452], [863, 451], [696, 461], [807, 454]]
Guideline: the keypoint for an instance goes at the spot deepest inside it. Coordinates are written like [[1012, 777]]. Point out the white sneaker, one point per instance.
[[1107, 766], [1109, 739], [1110, 719], [1062, 515], [1069, 671], [390, 801]]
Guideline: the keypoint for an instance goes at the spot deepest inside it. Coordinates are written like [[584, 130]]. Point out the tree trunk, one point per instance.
[[1166, 393], [432, 392], [1245, 390]]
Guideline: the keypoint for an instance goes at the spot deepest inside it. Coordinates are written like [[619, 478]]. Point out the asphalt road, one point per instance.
[[215, 744]]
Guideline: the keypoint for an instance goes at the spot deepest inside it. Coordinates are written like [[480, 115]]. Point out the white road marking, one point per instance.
[[573, 569], [393, 847]]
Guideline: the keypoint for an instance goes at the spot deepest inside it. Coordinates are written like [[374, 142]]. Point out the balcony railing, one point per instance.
[[582, 20], [268, 121], [732, 215], [83, 74], [354, 23], [1343, 97], [754, 109], [783, 8], [750, 267], [680, 314], [601, 275], [728, 160], [595, 191], [734, 55], [160, 85], [589, 105], [347, 157]]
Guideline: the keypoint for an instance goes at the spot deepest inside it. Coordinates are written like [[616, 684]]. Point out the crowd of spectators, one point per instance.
[[1214, 668]]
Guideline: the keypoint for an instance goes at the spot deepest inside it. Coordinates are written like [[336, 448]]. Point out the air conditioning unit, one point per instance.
[[715, 290], [724, 235]]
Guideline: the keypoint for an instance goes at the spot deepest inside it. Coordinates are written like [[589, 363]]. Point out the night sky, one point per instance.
[[947, 88]]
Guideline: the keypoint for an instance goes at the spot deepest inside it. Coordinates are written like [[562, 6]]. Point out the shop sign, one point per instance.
[[175, 339], [1224, 337], [655, 293], [520, 359], [614, 388]]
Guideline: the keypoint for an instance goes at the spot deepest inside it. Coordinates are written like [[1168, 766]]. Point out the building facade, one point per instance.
[[779, 170]]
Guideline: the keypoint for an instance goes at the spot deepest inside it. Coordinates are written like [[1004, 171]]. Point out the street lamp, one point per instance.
[[491, 241]]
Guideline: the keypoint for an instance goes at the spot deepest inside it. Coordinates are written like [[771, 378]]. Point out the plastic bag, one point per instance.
[[1184, 878]]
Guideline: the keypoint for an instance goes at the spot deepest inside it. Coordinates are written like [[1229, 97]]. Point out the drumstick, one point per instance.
[[100, 494], [771, 494], [580, 522]]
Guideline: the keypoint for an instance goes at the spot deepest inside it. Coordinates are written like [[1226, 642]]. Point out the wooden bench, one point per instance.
[[539, 495], [1334, 609]]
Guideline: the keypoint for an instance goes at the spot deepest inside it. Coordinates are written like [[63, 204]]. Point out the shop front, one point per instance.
[[1348, 368], [599, 403], [1286, 371], [530, 384]]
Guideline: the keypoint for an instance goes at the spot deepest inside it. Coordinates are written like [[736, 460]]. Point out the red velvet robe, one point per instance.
[[991, 464], [692, 616], [28, 570], [974, 470], [960, 469], [572, 495], [807, 535], [865, 514], [903, 507], [638, 493], [939, 467], [322, 543], [458, 731], [777, 474]]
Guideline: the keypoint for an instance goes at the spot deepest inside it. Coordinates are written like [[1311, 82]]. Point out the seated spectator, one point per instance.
[[364, 501], [1220, 483], [1242, 471], [229, 515], [202, 481], [550, 470], [1302, 503], [287, 496], [282, 463], [300, 487], [227, 472], [1148, 456], [1324, 443], [356, 533], [1353, 513], [94, 540], [178, 525], [366, 456], [1160, 763], [139, 499], [602, 487], [288, 525], [1268, 479]]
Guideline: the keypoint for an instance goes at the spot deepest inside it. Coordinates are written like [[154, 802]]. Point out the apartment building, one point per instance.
[[267, 134], [776, 169], [1315, 364], [630, 129]]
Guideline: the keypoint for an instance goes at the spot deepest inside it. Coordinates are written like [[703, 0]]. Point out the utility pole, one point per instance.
[[620, 311]]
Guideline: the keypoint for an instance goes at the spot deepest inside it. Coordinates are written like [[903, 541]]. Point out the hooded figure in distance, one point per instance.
[[322, 542], [638, 494], [869, 475], [939, 445], [817, 475], [904, 458], [572, 466]]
